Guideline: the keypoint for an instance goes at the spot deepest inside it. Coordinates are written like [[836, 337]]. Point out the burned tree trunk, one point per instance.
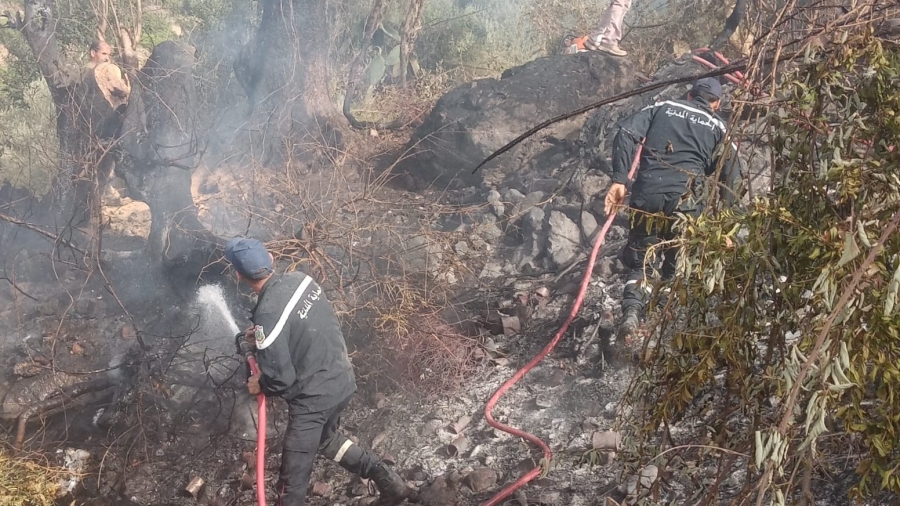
[[286, 72], [412, 23], [161, 151]]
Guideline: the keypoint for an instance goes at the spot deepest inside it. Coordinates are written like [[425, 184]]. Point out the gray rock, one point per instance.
[[591, 184], [527, 256], [550, 497], [604, 267], [422, 254], [520, 497], [491, 270], [513, 196], [438, 493], [490, 232], [461, 248], [564, 239], [481, 480], [496, 202], [545, 185], [644, 480], [649, 475], [589, 226], [531, 200]]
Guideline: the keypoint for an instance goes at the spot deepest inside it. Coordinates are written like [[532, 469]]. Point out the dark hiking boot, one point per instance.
[[631, 319], [391, 487]]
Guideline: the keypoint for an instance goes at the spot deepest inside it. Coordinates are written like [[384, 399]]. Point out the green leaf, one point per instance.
[[376, 70], [891, 298], [393, 58], [863, 236], [851, 250]]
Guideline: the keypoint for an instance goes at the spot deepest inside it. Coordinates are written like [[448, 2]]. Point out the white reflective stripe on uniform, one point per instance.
[[270, 338], [712, 118], [344, 447], [647, 288]]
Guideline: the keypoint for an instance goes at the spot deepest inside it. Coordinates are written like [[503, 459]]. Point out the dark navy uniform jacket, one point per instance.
[[302, 356], [683, 143]]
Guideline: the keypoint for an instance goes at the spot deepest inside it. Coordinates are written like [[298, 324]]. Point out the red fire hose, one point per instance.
[[731, 77], [260, 438], [534, 473]]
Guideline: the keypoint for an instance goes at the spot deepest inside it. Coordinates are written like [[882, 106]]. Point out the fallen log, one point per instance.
[[75, 395]]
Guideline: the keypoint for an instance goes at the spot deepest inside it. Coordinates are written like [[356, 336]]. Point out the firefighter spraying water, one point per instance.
[[302, 358]]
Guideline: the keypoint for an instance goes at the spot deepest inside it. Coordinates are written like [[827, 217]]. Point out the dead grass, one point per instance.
[[430, 356], [27, 482]]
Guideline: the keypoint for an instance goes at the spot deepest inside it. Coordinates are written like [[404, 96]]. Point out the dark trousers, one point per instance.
[[644, 234], [311, 434]]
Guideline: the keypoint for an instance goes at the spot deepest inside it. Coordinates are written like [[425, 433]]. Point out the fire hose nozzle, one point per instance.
[[241, 344]]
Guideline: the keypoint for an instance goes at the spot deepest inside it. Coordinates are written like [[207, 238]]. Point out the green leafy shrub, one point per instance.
[[786, 345]]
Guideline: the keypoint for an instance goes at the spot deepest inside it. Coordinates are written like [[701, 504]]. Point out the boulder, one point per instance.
[[475, 119], [564, 240]]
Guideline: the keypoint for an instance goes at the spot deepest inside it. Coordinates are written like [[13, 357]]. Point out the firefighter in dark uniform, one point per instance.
[[683, 142], [303, 359]]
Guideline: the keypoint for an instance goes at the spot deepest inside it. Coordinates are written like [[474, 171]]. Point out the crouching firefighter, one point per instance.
[[302, 358], [682, 146]]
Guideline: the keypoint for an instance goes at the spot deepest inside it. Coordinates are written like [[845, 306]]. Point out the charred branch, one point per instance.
[[75, 395]]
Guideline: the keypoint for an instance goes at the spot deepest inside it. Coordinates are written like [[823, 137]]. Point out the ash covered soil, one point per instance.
[[169, 421]]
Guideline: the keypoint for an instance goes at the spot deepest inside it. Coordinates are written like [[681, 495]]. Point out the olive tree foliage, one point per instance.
[[784, 347]]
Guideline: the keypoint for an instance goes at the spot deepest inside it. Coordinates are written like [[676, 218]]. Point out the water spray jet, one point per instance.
[[213, 299]]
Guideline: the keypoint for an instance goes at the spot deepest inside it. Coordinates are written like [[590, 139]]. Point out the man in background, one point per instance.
[[303, 359], [608, 32], [99, 53]]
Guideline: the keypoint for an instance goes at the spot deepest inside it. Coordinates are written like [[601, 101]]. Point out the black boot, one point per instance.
[[631, 319], [391, 487]]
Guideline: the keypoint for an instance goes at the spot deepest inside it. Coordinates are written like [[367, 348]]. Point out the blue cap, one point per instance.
[[249, 257], [710, 85]]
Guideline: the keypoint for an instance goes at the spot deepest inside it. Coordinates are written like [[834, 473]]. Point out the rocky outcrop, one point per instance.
[[470, 122]]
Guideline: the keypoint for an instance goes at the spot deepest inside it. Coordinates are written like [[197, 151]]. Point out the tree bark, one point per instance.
[[38, 25], [161, 152], [287, 73], [412, 23]]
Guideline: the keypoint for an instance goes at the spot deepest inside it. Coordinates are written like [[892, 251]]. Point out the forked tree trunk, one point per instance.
[[161, 146]]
